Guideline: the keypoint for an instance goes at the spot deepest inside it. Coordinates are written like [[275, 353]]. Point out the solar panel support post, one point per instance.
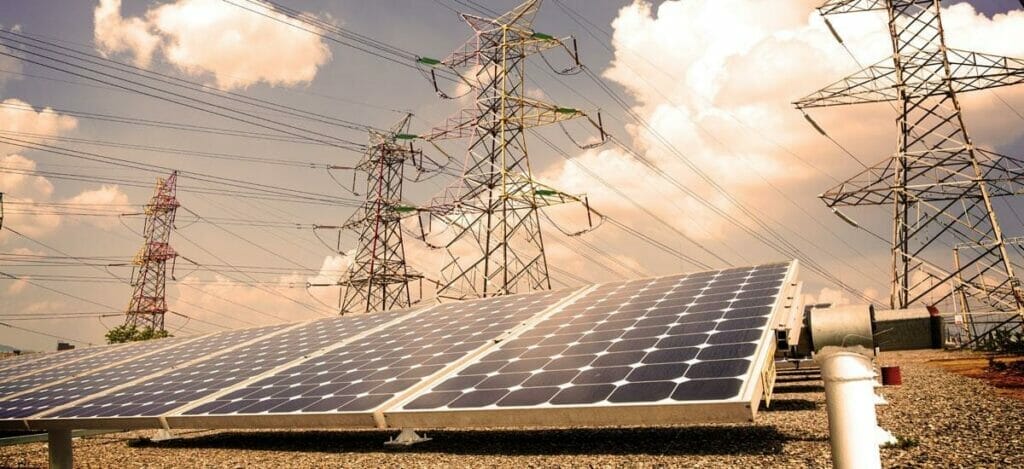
[[407, 437], [491, 213], [939, 184], [59, 446], [378, 278]]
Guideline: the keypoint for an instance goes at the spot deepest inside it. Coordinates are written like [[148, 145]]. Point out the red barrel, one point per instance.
[[891, 376]]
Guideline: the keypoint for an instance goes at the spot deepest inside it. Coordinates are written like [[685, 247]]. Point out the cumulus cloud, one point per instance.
[[18, 183], [104, 197], [721, 97], [231, 302], [236, 47], [115, 34], [18, 116]]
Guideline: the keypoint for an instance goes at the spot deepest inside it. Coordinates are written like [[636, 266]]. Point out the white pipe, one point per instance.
[[850, 402]]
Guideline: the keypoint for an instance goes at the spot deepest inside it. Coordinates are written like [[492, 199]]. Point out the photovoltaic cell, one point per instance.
[[56, 395], [668, 340], [48, 360], [104, 356], [20, 359], [194, 382], [363, 374]]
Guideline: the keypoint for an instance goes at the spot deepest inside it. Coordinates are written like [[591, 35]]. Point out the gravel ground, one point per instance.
[[950, 421]]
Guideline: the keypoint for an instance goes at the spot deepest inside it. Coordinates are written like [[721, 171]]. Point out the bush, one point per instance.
[[130, 333]]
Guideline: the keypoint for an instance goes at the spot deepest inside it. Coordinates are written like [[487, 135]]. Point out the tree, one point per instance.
[[131, 333]]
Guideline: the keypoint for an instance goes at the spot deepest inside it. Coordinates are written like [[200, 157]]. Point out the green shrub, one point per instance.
[[130, 333]]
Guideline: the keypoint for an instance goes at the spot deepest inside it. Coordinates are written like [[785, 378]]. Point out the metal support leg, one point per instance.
[[407, 437], [59, 443]]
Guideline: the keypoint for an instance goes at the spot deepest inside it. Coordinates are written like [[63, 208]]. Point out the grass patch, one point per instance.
[[903, 442]]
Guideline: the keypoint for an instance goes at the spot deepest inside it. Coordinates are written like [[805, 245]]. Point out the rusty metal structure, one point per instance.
[[378, 278], [493, 210], [939, 183], [148, 304]]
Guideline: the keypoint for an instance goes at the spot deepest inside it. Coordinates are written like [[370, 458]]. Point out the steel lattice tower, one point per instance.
[[495, 205], [378, 278], [149, 279], [938, 183]]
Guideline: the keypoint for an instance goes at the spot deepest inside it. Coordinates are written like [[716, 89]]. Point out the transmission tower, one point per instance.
[[939, 184], [149, 278], [378, 278], [494, 207]]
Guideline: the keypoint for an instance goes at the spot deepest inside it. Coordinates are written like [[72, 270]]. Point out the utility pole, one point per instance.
[[495, 206], [939, 184], [149, 278], [378, 278], [1, 210]]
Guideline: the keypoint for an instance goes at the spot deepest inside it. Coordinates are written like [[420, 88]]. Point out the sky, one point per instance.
[[713, 79]]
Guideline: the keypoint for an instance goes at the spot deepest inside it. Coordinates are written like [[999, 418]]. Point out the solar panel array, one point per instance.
[[366, 373], [19, 359], [652, 345], [666, 340], [103, 357], [185, 385], [174, 353], [47, 361]]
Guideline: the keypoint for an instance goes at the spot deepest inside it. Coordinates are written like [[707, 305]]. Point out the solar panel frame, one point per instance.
[[390, 414], [23, 358], [49, 360], [369, 418], [50, 421], [177, 419], [46, 421], [79, 387], [742, 408]]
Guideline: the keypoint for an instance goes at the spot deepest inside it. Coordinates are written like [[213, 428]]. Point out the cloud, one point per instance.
[[226, 300], [103, 198], [19, 181], [114, 34], [24, 189], [18, 116], [722, 97], [210, 37]]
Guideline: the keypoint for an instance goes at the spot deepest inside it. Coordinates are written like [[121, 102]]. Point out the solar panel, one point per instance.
[[670, 350], [101, 357], [671, 341], [360, 376], [47, 361], [188, 384], [176, 353], [19, 359]]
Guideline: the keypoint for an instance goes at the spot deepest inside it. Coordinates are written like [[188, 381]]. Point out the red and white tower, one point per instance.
[[149, 304]]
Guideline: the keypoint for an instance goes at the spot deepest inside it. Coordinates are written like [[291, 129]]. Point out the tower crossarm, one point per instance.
[[931, 177], [522, 192], [923, 77], [532, 113], [835, 7]]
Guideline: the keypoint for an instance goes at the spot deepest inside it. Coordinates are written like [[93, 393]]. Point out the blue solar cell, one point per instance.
[[174, 353], [102, 357], [48, 360], [370, 371], [197, 381], [672, 339]]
